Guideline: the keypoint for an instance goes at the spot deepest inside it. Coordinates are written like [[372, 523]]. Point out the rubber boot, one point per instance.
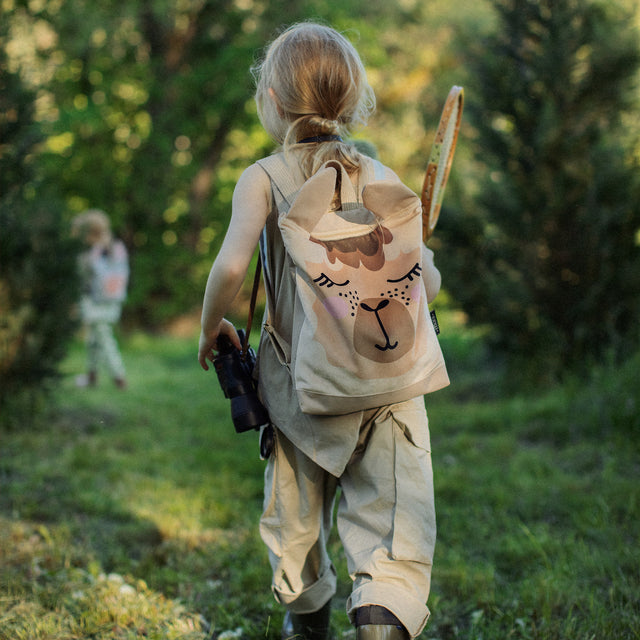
[[374, 622], [381, 632], [307, 626]]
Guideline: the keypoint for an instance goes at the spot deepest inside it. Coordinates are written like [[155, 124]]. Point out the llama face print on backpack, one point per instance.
[[363, 336]]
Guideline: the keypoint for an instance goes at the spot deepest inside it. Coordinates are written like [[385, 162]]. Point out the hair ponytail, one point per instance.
[[312, 154], [313, 83]]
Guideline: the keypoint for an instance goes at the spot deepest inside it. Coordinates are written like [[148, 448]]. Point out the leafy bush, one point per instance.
[[38, 275], [548, 254], [38, 286]]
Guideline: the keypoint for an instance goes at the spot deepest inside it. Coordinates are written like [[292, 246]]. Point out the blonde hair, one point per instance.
[[310, 83], [93, 222]]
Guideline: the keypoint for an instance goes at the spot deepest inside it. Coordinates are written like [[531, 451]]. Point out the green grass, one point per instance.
[[134, 514]]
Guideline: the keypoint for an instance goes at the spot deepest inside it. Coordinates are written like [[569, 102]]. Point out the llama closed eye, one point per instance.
[[413, 273], [323, 280]]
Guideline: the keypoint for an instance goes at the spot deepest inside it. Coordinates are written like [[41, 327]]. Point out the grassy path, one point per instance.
[[134, 514]]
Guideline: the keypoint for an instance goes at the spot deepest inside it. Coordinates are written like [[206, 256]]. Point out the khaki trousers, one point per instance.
[[385, 518]]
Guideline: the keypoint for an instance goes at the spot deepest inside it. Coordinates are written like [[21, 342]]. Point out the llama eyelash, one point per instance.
[[415, 272], [324, 280]]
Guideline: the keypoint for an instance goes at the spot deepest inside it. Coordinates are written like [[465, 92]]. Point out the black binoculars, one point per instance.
[[234, 369]]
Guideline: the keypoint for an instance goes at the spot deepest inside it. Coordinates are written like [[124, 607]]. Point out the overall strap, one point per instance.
[[378, 169]]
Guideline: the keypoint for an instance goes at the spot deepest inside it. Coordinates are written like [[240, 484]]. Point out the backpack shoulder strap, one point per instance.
[[285, 187]]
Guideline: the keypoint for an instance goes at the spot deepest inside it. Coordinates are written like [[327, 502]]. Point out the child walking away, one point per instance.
[[346, 350], [104, 269]]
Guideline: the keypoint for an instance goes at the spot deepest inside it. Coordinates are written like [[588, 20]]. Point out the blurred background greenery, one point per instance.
[[133, 515], [145, 109]]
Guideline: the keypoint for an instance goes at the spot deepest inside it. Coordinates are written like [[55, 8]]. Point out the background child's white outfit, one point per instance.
[[380, 458], [99, 317]]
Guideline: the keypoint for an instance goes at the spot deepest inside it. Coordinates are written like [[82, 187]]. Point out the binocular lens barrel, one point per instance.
[[248, 413]]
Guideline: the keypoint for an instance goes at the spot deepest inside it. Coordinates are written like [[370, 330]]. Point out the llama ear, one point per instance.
[[390, 198], [314, 199]]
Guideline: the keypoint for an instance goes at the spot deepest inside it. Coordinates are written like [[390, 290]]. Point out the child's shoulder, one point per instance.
[[252, 188], [253, 177]]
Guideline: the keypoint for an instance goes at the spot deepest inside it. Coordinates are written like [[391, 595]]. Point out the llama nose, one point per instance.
[[381, 305]]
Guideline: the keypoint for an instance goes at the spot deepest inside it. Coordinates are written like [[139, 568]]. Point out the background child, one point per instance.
[[104, 269], [311, 89]]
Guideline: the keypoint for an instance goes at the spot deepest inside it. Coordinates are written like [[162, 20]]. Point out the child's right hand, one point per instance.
[[208, 342]]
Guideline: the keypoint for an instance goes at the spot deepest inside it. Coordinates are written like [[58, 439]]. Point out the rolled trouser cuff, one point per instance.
[[310, 599], [375, 614]]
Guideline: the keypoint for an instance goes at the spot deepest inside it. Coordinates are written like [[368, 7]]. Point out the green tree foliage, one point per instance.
[[38, 275], [149, 115], [148, 112], [547, 250], [145, 109], [143, 100]]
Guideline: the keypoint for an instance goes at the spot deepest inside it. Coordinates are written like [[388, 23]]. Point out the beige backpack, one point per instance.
[[363, 335]]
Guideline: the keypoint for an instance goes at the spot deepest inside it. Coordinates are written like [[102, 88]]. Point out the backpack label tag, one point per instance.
[[434, 321]]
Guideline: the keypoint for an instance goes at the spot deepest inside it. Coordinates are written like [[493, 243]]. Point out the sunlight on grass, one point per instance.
[[135, 514], [74, 601], [182, 513]]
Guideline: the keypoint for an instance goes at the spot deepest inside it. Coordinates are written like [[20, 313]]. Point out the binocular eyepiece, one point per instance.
[[234, 370]]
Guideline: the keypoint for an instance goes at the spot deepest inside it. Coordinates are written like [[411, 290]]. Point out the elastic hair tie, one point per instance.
[[327, 138]]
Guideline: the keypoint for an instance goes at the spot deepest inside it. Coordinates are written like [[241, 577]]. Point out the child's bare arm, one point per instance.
[[250, 208]]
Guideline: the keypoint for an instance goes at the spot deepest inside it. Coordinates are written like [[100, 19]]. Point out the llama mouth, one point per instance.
[[387, 346]]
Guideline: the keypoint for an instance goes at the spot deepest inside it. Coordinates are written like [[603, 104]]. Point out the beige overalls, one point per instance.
[[380, 459]]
